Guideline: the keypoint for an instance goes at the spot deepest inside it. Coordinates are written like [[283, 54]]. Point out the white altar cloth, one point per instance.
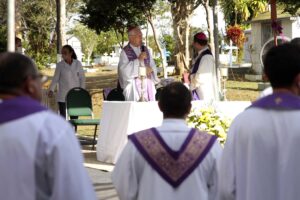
[[121, 118]]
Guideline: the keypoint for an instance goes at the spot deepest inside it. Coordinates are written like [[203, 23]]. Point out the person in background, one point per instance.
[[40, 155], [68, 74], [18, 45], [203, 77], [133, 56], [267, 91], [172, 161], [259, 159]]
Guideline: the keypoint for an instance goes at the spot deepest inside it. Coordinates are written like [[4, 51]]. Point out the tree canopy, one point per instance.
[[103, 15]]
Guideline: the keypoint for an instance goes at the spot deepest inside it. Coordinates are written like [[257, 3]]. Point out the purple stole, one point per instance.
[[18, 107], [280, 101], [173, 166], [195, 69], [131, 57]]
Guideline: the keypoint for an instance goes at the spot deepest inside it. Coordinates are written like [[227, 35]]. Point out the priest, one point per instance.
[[203, 76], [135, 62], [172, 161], [260, 157], [40, 155]]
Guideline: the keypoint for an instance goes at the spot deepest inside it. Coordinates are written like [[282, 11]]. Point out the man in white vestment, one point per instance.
[[172, 161], [260, 160], [136, 60], [203, 79], [40, 156]]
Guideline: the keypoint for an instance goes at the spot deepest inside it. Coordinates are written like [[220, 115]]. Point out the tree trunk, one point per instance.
[[181, 12], [61, 20], [274, 18], [209, 25], [216, 40], [157, 44]]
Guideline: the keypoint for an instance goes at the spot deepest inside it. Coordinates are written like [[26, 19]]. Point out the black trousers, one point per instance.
[[62, 110]]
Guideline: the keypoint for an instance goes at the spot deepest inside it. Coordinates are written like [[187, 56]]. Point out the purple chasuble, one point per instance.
[[279, 101], [131, 57], [12, 109], [195, 69], [173, 166]]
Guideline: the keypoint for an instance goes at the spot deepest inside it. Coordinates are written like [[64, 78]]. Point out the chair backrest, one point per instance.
[[79, 102], [115, 95]]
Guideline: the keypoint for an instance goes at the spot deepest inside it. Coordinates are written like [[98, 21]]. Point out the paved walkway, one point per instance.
[[100, 174]]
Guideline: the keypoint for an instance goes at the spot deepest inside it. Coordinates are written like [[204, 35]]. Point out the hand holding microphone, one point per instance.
[[143, 54]]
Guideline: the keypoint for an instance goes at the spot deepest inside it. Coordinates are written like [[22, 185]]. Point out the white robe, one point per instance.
[[135, 179], [129, 70], [204, 81], [41, 159], [67, 77], [260, 159]]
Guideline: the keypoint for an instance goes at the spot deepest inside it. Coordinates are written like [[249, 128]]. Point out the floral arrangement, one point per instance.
[[236, 35], [207, 119]]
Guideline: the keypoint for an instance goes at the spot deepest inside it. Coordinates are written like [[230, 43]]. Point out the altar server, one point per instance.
[[134, 56], [260, 159], [172, 161], [40, 156]]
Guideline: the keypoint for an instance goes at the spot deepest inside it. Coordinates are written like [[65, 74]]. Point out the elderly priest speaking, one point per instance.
[[136, 70]]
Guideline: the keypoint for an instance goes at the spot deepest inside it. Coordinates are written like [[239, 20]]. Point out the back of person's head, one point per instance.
[[175, 101], [282, 65], [201, 38], [296, 41], [71, 50], [18, 75]]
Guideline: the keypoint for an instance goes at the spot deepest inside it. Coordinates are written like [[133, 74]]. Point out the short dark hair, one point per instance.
[[70, 49], [175, 100], [296, 41], [14, 69], [201, 42], [282, 65]]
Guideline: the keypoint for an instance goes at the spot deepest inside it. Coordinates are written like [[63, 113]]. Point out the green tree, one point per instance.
[[3, 25], [106, 42], [238, 11], [290, 6], [103, 15], [170, 45], [87, 38], [182, 12]]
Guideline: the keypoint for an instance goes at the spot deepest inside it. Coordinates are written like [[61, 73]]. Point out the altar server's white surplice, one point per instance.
[[137, 178], [261, 157], [40, 156]]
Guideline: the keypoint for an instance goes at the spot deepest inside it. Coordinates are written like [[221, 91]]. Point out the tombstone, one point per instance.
[[76, 44], [262, 32]]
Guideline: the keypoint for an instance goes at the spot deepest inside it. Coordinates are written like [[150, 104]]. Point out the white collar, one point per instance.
[[204, 48], [134, 47]]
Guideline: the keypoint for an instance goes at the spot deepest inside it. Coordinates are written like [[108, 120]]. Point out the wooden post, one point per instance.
[[274, 18], [11, 25]]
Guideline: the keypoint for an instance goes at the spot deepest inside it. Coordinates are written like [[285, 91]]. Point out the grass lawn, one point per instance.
[[103, 78]]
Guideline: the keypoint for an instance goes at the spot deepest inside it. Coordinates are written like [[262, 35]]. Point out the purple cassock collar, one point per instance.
[[278, 100], [173, 166], [18, 107]]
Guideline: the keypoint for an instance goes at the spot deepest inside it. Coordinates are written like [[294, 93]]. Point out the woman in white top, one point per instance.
[[68, 74]]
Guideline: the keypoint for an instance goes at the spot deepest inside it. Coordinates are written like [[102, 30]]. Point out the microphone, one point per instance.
[[143, 48]]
